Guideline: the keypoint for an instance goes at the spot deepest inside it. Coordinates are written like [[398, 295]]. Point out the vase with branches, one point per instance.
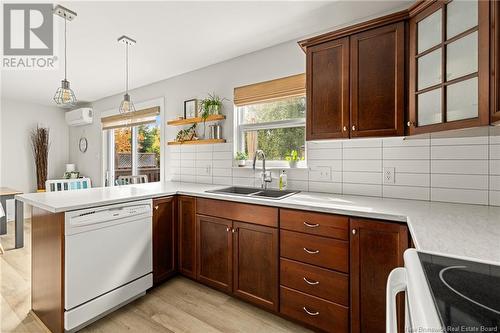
[[40, 144]]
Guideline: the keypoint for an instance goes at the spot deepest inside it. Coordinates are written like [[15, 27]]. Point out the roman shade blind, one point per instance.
[[289, 86], [140, 117]]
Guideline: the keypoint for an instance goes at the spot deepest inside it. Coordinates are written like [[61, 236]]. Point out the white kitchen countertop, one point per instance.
[[468, 231]]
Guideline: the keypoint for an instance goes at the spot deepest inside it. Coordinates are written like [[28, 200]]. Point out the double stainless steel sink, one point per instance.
[[254, 192]]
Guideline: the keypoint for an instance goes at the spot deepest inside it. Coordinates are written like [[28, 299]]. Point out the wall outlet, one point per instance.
[[320, 173], [389, 175]]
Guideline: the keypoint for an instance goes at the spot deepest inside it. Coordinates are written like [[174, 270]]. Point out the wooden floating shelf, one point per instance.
[[197, 142], [180, 122]]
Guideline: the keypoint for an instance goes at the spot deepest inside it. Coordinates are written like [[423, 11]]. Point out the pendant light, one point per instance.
[[64, 95], [126, 105]]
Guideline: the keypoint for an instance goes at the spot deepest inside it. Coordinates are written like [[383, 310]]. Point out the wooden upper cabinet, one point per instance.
[[214, 252], [495, 62], [327, 85], [449, 51], [377, 81], [376, 248], [164, 239], [255, 266], [187, 236]]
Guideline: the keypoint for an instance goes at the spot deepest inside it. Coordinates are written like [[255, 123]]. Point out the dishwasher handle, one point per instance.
[[396, 283]]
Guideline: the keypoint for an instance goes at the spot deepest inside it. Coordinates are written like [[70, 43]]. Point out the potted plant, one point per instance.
[[293, 158], [212, 104], [40, 144], [242, 158]]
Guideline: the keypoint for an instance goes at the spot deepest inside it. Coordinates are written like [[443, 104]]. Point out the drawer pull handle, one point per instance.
[[311, 225], [311, 251], [312, 283], [311, 313]]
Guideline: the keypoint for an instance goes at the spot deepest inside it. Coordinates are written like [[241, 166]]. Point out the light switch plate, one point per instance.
[[321, 173], [389, 175]]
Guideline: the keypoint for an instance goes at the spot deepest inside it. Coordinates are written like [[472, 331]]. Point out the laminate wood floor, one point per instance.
[[179, 305]]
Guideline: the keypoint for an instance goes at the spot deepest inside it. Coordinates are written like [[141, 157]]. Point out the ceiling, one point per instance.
[[174, 38]]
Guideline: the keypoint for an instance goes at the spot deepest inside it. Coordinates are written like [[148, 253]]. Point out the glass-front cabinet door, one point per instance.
[[449, 45]]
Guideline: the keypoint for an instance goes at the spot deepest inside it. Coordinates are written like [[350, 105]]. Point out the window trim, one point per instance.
[[241, 129]]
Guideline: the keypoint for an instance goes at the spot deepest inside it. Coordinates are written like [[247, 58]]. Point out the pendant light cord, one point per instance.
[[65, 62], [126, 67]]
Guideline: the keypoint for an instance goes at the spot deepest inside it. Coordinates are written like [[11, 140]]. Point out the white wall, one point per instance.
[[271, 63], [17, 119]]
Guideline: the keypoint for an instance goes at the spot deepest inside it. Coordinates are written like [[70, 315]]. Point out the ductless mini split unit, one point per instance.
[[79, 117]]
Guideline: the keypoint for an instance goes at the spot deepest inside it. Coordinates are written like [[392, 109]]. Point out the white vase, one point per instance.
[[293, 164], [242, 163]]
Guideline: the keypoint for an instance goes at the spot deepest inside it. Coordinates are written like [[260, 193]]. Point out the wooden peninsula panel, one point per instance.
[[47, 268]]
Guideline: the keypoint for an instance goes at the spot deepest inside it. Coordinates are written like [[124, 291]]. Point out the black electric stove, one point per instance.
[[466, 293]]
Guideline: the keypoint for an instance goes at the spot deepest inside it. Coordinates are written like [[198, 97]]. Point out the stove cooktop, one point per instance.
[[466, 293]]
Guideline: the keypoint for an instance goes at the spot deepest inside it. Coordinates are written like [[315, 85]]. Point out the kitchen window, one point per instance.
[[133, 145], [271, 116]]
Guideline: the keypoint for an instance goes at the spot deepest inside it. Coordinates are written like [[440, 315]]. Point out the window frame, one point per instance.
[[241, 129]]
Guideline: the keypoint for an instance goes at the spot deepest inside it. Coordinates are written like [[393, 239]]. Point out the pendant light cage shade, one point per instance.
[[126, 105], [64, 96]]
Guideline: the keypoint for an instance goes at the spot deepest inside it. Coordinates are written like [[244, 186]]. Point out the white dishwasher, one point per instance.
[[108, 260]]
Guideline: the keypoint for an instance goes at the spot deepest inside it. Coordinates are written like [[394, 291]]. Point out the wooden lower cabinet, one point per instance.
[[314, 311], [164, 239], [495, 62], [187, 236], [376, 248], [255, 264], [214, 252]]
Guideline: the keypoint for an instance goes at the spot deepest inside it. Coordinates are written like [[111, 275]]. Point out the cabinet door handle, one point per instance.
[[312, 283], [353, 127], [311, 313], [156, 207], [228, 229], [310, 225], [234, 230], [354, 231], [311, 251], [345, 128]]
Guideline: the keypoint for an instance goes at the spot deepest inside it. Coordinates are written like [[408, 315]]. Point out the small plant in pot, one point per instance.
[[212, 104], [293, 158], [242, 158]]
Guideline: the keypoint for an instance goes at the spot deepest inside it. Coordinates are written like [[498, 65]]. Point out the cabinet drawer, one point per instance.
[[329, 225], [316, 281], [316, 250], [238, 211], [314, 311]]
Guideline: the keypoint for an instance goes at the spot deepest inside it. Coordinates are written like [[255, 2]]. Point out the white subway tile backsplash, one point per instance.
[[362, 189], [325, 154], [479, 182], [324, 144], [222, 155], [459, 166], [362, 177], [362, 153], [469, 152], [335, 165], [406, 141], [362, 143], [411, 166], [406, 192], [466, 167], [325, 187], [412, 179], [362, 165], [495, 183], [222, 180], [495, 152], [406, 153], [495, 198], [494, 167], [479, 197]]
